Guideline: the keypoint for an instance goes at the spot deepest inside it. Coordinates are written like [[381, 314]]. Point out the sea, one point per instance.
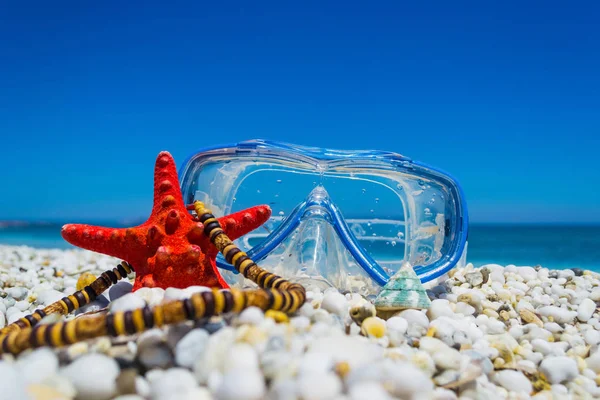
[[550, 246]]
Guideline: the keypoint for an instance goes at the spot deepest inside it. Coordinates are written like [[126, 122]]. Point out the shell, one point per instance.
[[361, 310], [403, 290]]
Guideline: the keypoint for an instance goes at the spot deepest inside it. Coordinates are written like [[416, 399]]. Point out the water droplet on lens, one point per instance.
[[376, 199], [281, 213], [364, 191], [278, 180], [393, 242]]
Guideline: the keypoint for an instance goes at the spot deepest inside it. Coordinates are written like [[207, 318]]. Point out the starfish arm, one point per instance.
[[238, 224], [112, 241], [167, 193]]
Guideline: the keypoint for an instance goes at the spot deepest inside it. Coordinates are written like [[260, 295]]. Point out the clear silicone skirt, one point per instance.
[[347, 219]]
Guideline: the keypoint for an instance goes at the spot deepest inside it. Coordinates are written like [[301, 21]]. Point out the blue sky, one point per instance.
[[505, 96]]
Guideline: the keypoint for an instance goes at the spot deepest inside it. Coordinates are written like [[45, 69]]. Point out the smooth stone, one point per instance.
[[15, 316], [12, 386], [2, 320], [315, 362], [439, 308], [397, 324], [93, 375], [443, 394], [96, 305], [513, 380], [464, 309], [175, 294], [22, 305], [251, 315], [592, 337], [190, 290], [527, 273], [126, 381], [319, 386], [191, 347], [300, 323], [151, 296], [176, 332], [586, 309], [174, 383], [559, 369], [17, 293], [368, 390], [241, 385], [593, 362], [405, 381], [119, 290], [48, 297], [213, 326], [396, 328], [445, 357], [497, 276], [155, 356], [241, 356], [346, 348], [560, 315], [127, 302], [335, 303], [38, 365], [415, 317]]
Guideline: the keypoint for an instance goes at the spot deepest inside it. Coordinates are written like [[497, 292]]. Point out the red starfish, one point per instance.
[[170, 249]]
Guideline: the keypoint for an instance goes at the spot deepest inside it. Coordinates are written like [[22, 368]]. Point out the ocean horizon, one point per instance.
[[554, 246]]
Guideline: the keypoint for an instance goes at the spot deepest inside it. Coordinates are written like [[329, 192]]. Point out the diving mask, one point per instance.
[[347, 219]]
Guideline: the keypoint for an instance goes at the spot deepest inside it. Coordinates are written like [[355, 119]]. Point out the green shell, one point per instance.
[[403, 290]]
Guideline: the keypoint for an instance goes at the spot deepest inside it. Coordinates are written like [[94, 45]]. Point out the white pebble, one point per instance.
[[12, 386], [586, 310], [408, 382], [17, 293], [191, 347], [251, 316], [464, 309], [560, 315], [48, 297], [559, 369], [38, 365], [513, 380], [439, 308], [127, 302], [93, 375], [335, 303], [593, 362], [368, 390], [319, 386], [315, 362], [415, 317], [241, 385], [592, 337], [15, 316], [174, 383], [241, 356], [151, 296]]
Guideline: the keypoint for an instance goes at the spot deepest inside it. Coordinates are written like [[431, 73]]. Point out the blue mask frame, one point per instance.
[[385, 160]]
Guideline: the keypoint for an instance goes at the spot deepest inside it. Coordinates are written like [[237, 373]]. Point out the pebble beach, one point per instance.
[[494, 332]]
